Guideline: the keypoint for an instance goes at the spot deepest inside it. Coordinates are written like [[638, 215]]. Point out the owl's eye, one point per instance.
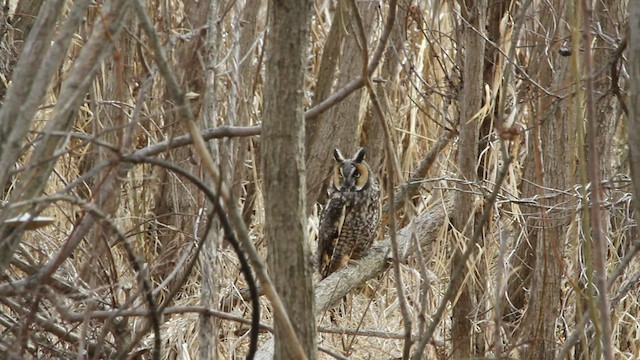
[[356, 175]]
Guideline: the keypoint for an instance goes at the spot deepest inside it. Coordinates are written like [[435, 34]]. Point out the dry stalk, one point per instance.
[[358, 82], [412, 186], [586, 316], [392, 165], [14, 120], [244, 266], [471, 246], [511, 61], [201, 149], [593, 169], [138, 265], [24, 96], [499, 125]]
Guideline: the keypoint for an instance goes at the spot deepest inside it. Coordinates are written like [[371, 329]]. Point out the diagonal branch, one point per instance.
[[358, 82], [391, 167], [201, 149], [425, 227]]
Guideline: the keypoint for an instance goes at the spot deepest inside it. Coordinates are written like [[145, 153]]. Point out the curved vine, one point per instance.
[[228, 231]]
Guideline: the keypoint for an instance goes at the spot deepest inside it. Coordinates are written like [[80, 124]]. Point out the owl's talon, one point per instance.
[[354, 262]]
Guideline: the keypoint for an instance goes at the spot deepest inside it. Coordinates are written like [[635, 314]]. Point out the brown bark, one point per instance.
[[634, 112], [467, 159], [634, 103], [538, 325], [71, 95], [338, 127], [607, 84], [245, 81], [551, 147], [326, 70], [609, 110], [174, 198], [608, 14], [208, 332], [282, 147], [372, 134]]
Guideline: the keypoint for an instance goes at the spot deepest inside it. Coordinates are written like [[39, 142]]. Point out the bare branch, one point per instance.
[[593, 169], [213, 172], [426, 226], [358, 82], [392, 165]]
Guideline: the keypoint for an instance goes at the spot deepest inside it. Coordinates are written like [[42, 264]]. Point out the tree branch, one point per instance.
[[358, 82], [425, 227], [211, 169], [598, 238]]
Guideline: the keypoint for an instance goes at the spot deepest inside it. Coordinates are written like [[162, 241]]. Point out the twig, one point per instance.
[[511, 61], [71, 93], [42, 276], [244, 265], [14, 118], [615, 73], [586, 316], [593, 169], [59, 331], [412, 186], [471, 246], [201, 148], [391, 164], [358, 82]]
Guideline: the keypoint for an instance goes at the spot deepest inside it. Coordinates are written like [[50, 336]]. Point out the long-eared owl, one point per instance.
[[349, 221]]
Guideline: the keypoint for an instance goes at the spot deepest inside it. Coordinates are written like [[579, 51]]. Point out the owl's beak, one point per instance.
[[349, 185]]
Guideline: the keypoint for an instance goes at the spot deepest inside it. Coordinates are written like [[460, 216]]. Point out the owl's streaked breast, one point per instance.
[[350, 219]]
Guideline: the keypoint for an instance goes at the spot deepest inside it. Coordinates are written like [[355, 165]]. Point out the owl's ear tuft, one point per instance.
[[359, 155], [338, 155]]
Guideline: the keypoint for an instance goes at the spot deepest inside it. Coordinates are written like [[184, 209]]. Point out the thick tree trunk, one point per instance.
[[208, 331], [471, 102], [539, 324], [289, 254], [551, 145]]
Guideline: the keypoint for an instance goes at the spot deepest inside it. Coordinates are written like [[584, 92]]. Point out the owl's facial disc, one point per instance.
[[350, 176], [337, 177], [361, 176]]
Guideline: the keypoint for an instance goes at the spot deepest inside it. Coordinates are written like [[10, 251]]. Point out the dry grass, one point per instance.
[[422, 101]]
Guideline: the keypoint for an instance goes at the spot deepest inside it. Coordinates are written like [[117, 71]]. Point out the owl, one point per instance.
[[349, 221]]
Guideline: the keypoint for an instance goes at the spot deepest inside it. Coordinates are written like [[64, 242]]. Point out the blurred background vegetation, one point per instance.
[[511, 125]]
